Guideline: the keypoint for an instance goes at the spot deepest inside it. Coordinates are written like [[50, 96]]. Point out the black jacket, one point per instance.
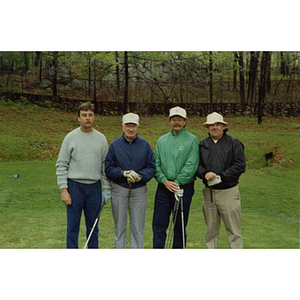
[[225, 158]]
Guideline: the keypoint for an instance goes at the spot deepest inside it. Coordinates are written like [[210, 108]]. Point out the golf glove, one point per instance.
[[106, 195], [215, 181], [178, 194], [128, 175], [132, 176], [135, 176]]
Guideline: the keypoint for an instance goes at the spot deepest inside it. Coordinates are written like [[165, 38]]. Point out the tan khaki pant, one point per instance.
[[226, 205]]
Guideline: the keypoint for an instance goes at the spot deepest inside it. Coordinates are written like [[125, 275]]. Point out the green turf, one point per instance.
[[33, 216]]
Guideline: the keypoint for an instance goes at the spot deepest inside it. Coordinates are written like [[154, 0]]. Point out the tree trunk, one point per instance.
[[25, 62], [54, 80], [211, 81], [180, 79], [126, 83], [95, 88], [252, 76], [1, 62], [262, 84], [37, 58], [41, 67], [264, 69], [268, 78], [242, 78], [282, 66], [117, 75], [234, 88], [89, 74]]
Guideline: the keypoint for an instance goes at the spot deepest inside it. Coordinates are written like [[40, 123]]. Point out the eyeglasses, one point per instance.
[[128, 126]]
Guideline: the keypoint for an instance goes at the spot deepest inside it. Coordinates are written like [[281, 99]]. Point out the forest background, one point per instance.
[[164, 77]]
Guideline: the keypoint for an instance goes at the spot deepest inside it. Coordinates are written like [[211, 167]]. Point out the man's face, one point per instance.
[[86, 120], [130, 130], [216, 130], [177, 123]]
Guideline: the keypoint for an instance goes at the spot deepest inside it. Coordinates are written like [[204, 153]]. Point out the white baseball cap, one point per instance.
[[130, 118], [177, 111], [214, 118]]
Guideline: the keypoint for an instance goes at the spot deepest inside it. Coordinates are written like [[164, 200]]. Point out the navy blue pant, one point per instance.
[[164, 204], [86, 197]]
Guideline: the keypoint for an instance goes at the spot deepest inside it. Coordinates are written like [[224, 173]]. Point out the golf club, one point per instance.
[[182, 223], [170, 235], [212, 211], [129, 192], [102, 204]]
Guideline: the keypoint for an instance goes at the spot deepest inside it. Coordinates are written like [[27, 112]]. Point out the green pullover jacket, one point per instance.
[[176, 157]]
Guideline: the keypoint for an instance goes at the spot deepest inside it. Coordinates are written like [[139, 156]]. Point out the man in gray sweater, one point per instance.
[[80, 169]]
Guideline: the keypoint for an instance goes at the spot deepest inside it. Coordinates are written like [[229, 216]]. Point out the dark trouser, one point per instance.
[[87, 197], [164, 203]]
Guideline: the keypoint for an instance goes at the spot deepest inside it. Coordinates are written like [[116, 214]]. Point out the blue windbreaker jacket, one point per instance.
[[124, 155]]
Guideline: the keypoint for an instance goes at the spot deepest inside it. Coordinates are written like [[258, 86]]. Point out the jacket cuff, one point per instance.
[[177, 182], [164, 179]]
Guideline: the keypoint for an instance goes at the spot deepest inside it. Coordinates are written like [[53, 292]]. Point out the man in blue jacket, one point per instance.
[[129, 165]]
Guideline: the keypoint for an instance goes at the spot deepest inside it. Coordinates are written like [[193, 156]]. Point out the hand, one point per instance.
[[65, 197], [132, 176], [129, 176], [215, 181], [171, 186], [106, 196], [178, 194], [136, 176], [210, 176]]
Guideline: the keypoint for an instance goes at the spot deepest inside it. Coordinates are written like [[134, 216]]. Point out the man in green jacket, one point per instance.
[[177, 158]]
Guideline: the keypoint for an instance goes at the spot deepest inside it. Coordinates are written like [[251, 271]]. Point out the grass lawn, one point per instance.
[[32, 215]]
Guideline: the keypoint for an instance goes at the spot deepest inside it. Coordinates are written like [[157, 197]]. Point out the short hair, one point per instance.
[[86, 106]]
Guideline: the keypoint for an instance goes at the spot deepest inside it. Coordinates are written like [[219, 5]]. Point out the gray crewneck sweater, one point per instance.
[[82, 158]]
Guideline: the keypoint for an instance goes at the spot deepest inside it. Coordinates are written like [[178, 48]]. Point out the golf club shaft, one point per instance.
[[170, 235], [95, 223], [91, 233], [129, 192], [182, 223]]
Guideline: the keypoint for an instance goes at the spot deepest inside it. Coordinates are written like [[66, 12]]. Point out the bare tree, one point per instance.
[[262, 84], [26, 63], [254, 57], [126, 83], [235, 61], [240, 59], [54, 78], [268, 73], [211, 80], [117, 74]]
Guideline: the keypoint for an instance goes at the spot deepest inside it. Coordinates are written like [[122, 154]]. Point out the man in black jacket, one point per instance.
[[222, 161]]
